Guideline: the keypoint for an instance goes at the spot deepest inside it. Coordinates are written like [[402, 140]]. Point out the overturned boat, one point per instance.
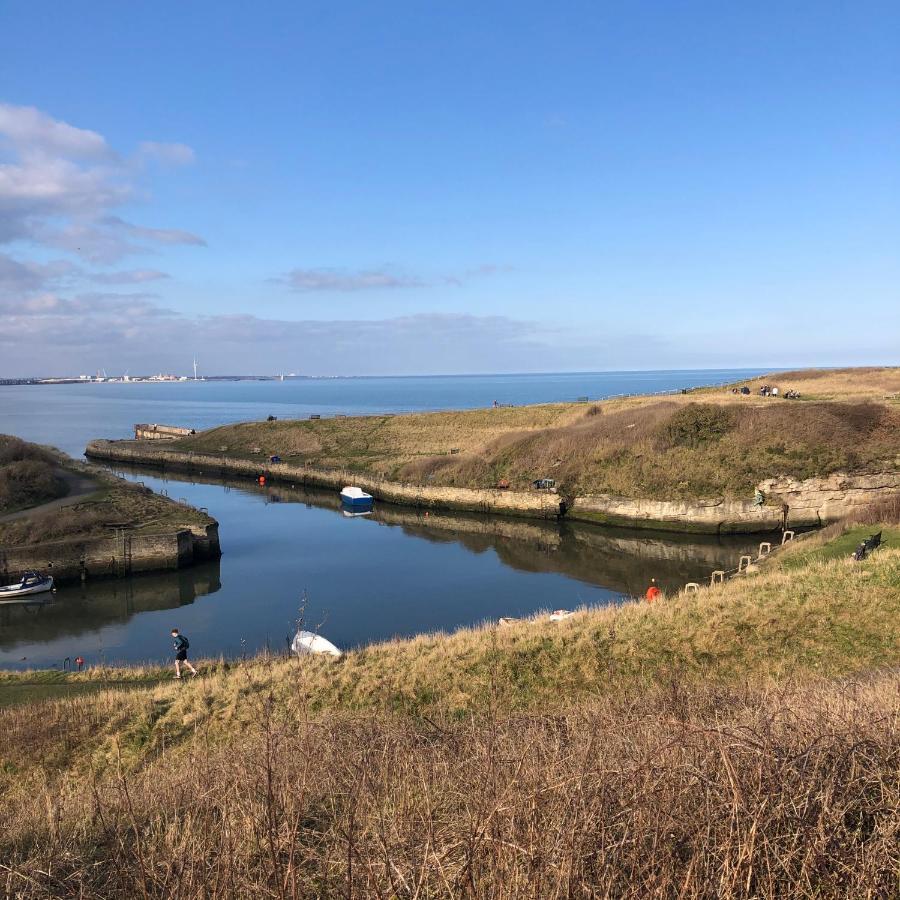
[[309, 642], [30, 583]]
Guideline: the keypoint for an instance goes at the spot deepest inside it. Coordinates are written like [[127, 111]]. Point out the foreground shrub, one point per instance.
[[675, 792]]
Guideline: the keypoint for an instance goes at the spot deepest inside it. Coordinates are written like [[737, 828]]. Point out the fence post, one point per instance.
[[768, 546], [742, 564], [717, 577], [691, 587], [787, 536]]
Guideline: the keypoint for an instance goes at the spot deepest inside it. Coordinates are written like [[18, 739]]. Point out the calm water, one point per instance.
[[292, 553]]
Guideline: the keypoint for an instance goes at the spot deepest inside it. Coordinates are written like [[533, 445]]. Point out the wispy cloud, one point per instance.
[[309, 281], [166, 154], [60, 187]]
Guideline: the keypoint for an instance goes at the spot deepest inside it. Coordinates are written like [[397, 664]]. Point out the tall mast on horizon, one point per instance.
[[195, 368]]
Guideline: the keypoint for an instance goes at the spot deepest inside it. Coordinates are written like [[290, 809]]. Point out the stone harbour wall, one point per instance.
[[812, 502], [110, 555]]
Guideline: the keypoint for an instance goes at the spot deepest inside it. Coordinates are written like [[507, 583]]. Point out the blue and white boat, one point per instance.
[[30, 583], [356, 499]]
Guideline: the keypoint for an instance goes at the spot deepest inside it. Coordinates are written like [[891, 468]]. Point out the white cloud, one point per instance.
[[62, 186], [32, 132]]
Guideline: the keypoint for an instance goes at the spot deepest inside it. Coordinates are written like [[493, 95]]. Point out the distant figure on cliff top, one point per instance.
[[181, 648], [653, 592]]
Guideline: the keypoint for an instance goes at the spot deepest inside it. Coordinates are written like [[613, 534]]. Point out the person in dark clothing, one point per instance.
[[181, 649]]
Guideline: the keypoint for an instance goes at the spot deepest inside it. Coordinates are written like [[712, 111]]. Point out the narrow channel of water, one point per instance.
[[292, 553]]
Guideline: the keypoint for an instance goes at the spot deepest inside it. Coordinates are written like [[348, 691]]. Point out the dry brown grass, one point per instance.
[[674, 792], [621, 446], [116, 501], [867, 382]]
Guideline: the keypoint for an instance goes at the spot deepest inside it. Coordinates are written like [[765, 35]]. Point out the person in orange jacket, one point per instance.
[[653, 591]]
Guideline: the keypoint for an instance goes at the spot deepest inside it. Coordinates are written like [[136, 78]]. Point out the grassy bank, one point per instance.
[[706, 443], [738, 742], [114, 501], [28, 475]]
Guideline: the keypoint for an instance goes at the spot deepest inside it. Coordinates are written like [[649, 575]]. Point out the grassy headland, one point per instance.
[[738, 742], [113, 501], [709, 442]]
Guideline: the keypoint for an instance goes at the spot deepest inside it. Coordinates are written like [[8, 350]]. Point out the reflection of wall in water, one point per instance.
[[77, 609], [619, 559]]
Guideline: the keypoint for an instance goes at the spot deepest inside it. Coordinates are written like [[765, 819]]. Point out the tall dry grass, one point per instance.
[[674, 792]]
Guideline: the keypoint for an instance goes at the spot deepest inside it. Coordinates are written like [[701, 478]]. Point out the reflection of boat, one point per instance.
[[356, 498], [309, 642], [30, 583], [354, 515]]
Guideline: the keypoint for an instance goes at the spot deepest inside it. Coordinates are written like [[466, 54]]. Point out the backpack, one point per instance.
[[183, 642]]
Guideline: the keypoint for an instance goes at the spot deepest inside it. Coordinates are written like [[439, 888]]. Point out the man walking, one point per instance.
[[181, 649]]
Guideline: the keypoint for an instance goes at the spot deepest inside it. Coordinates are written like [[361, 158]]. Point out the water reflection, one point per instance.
[[79, 609], [618, 559]]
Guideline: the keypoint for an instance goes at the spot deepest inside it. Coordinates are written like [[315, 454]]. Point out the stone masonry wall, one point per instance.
[[811, 502]]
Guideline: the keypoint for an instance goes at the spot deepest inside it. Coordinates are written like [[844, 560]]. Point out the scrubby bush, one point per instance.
[[696, 424], [27, 482]]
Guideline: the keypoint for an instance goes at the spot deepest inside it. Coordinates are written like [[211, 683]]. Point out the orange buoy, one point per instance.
[[262, 479]]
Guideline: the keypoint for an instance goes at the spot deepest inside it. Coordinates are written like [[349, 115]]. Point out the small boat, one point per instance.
[[559, 614], [356, 498], [309, 642], [30, 583]]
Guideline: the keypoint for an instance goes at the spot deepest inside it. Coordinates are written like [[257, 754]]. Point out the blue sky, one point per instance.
[[434, 187]]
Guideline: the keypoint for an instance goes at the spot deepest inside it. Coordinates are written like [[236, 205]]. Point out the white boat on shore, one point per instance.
[[306, 642], [30, 583]]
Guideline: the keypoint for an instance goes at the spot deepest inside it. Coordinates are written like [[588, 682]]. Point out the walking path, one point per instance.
[[79, 487]]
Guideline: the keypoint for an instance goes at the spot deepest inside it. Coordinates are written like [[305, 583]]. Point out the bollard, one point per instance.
[[742, 565], [787, 536], [717, 577], [691, 587], [768, 549]]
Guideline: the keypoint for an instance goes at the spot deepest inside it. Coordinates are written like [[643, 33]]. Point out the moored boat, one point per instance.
[[30, 583], [309, 642], [356, 498]]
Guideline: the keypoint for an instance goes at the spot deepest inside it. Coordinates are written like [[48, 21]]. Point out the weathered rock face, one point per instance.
[[698, 516], [814, 501], [831, 497]]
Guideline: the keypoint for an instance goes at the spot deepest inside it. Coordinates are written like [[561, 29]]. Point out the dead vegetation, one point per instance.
[[707, 443], [673, 792], [27, 475]]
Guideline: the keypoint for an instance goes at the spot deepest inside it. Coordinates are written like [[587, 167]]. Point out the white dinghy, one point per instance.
[[309, 642], [30, 583]]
